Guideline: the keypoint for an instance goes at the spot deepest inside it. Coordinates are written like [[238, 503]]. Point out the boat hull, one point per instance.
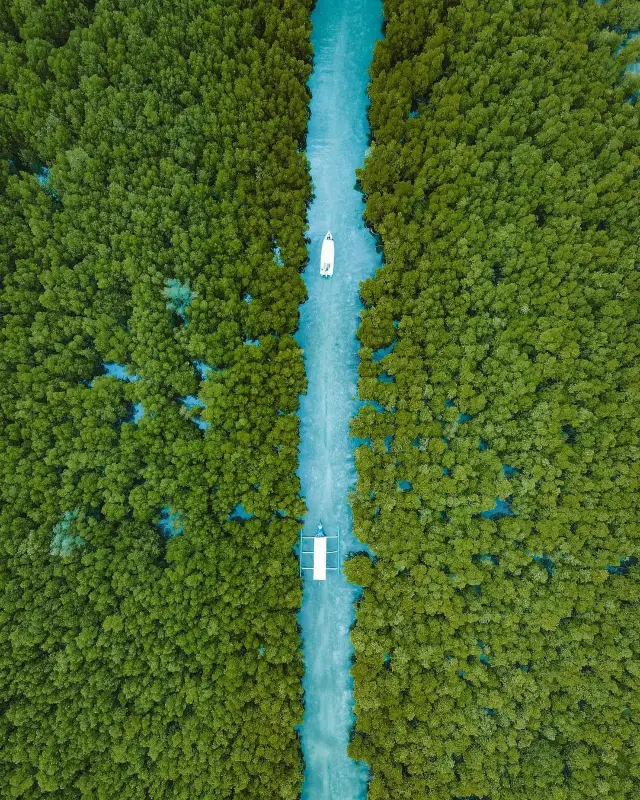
[[327, 257]]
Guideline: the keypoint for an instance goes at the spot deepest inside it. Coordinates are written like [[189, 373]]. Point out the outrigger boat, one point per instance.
[[327, 256], [320, 553]]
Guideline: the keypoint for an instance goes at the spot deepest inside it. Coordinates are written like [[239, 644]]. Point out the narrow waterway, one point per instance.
[[344, 32]]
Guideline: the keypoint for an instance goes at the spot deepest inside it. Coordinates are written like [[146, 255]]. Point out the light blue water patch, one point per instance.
[[449, 403], [247, 297], [63, 541], [343, 35], [446, 472], [482, 446], [277, 257], [191, 401], [404, 486], [632, 68], [203, 369], [487, 558], [252, 342], [502, 508], [629, 38], [387, 443], [138, 413], [43, 176], [170, 523], [508, 471], [544, 560], [483, 658], [464, 418], [624, 566], [384, 377], [118, 371], [179, 296], [240, 512], [378, 355]]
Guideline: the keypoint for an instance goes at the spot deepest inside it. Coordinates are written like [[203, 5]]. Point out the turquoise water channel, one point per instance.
[[344, 32]]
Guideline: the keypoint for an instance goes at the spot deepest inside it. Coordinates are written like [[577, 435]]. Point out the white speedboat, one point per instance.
[[326, 256]]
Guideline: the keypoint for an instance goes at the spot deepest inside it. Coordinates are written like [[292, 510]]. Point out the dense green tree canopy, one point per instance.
[[152, 168], [497, 652]]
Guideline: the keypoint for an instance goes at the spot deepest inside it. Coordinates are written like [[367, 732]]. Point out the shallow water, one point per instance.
[[170, 522], [343, 36]]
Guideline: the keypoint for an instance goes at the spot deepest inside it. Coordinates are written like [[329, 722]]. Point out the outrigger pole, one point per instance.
[[320, 554]]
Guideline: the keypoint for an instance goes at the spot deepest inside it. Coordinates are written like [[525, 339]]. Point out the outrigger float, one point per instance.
[[320, 553]]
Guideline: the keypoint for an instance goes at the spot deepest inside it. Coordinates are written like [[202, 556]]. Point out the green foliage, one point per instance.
[[179, 296], [63, 541], [140, 665], [503, 179]]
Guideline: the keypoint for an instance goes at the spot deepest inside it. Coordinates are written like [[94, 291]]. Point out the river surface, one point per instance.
[[343, 36]]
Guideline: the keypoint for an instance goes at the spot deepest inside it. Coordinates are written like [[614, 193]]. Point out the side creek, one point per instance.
[[344, 33]]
